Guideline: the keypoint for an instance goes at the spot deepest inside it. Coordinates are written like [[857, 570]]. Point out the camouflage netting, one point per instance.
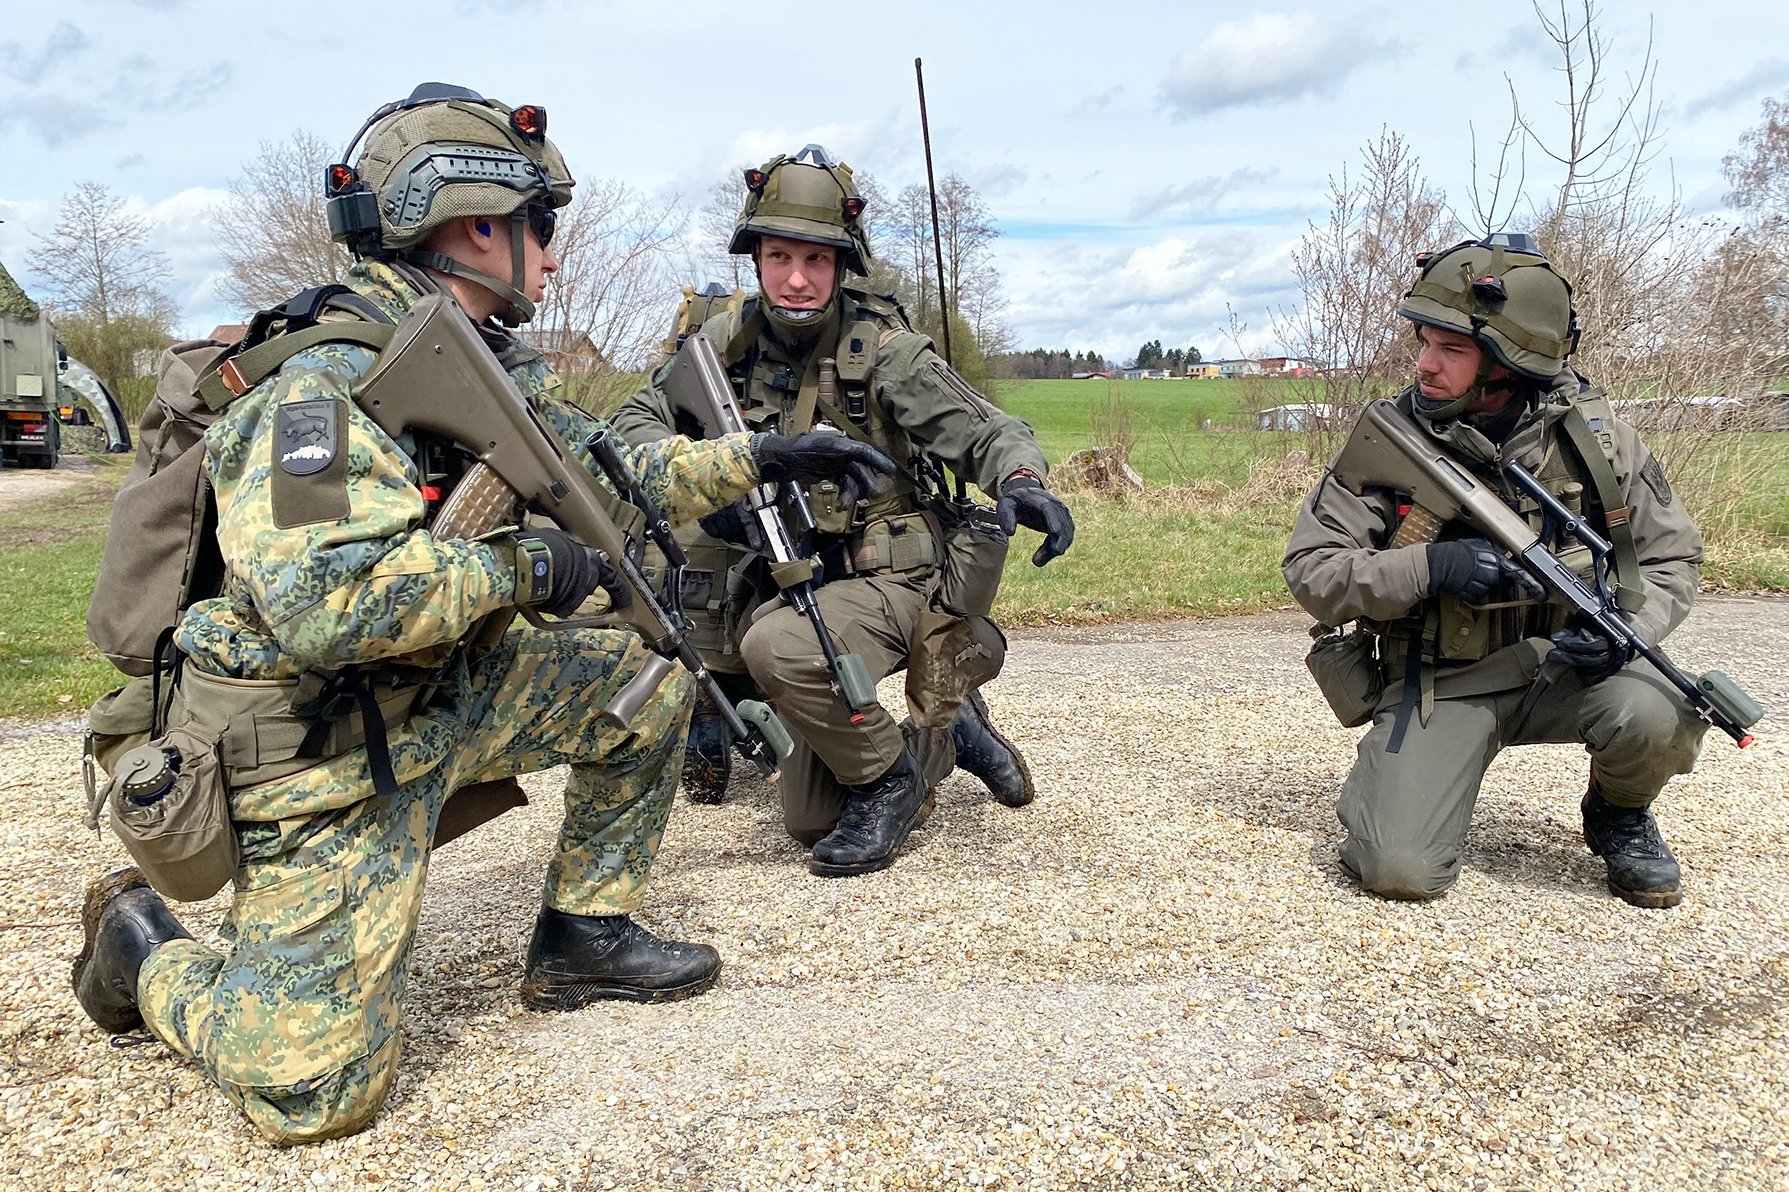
[[13, 300]]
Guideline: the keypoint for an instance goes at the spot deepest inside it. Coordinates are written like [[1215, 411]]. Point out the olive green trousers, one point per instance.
[[1407, 812], [874, 617]]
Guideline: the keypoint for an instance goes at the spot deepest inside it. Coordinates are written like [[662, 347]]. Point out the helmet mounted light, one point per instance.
[[530, 121]]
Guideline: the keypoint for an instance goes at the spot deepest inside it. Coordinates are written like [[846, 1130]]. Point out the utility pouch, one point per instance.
[[1347, 673], [950, 656], [974, 556], [831, 515], [170, 805]]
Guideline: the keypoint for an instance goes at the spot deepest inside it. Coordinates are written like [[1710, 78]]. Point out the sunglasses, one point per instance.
[[542, 221]]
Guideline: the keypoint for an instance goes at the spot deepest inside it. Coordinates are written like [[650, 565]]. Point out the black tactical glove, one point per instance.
[[731, 523], [817, 455], [556, 573], [1025, 501], [1589, 653], [1471, 567]]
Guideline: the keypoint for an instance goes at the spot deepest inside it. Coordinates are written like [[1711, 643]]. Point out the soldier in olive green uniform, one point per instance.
[[1469, 657], [335, 579], [812, 351]]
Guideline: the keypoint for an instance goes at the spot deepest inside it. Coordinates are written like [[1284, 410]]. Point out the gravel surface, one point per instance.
[[1154, 976]]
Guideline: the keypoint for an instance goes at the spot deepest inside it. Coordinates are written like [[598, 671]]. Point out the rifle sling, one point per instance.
[[1629, 594]]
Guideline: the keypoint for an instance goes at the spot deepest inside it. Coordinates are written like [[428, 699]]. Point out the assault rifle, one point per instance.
[[1387, 450], [437, 355], [697, 385]]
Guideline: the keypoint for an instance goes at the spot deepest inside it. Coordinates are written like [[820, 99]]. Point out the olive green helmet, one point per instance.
[[806, 197], [1504, 294], [441, 154]]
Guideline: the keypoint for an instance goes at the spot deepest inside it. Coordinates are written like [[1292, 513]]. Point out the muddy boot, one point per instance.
[[123, 922], [1642, 870], [983, 752], [575, 959], [878, 816], [708, 756]]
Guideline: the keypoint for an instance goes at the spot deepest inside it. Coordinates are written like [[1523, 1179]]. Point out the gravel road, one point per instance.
[[1155, 976]]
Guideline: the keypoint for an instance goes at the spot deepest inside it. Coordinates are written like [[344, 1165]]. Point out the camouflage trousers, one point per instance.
[[299, 1023], [874, 617]]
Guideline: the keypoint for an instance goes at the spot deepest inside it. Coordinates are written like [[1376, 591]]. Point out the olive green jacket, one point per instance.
[[921, 399], [1340, 569]]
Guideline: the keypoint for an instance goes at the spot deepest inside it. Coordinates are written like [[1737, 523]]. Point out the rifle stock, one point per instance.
[[437, 355], [697, 384], [1388, 450]]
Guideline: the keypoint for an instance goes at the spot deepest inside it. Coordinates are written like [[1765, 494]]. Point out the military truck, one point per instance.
[[41, 388]]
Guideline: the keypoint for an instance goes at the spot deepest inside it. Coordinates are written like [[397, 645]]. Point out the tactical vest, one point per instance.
[[888, 532], [1577, 467]]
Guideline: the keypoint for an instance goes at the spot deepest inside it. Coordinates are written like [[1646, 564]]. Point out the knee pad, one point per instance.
[[1399, 873]]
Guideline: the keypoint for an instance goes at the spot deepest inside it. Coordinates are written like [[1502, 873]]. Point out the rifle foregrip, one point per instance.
[[630, 699]]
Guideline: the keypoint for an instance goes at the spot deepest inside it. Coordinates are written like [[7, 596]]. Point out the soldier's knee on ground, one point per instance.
[[327, 1105], [1401, 872]]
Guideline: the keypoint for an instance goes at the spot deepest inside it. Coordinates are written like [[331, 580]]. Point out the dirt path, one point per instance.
[[1155, 976]]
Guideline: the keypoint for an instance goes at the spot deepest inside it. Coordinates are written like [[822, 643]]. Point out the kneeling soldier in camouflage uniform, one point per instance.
[[1467, 658], [810, 350], [333, 572]]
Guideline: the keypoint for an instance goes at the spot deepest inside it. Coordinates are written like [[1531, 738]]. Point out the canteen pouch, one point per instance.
[[1347, 672], [184, 841]]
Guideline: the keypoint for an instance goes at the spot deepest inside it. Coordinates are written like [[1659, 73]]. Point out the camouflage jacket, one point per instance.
[[920, 403], [375, 586], [1340, 568]]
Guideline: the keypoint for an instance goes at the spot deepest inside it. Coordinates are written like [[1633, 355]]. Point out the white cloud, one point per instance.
[[1268, 58]]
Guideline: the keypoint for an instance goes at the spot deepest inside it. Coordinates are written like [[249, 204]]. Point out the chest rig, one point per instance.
[[834, 386], [1577, 465]]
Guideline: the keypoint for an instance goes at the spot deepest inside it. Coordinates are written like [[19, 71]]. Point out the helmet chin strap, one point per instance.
[[518, 309], [1481, 386]]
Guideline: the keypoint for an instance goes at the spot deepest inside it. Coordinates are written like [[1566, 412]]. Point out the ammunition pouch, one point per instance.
[[903, 543], [1347, 671]]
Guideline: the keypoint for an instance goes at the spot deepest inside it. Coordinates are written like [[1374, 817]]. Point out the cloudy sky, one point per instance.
[[1147, 162]]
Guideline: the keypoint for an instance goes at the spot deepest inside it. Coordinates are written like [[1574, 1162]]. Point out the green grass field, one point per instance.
[[1192, 546]]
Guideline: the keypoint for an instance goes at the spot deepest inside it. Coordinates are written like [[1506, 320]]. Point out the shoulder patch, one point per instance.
[[307, 436], [1654, 475]]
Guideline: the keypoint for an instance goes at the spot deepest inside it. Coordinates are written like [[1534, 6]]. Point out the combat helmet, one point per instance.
[[441, 154], [1503, 293], [806, 197]]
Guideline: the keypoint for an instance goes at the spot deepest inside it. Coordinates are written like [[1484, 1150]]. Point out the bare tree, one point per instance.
[[714, 227], [1758, 171], [609, 304], [272, 231], [1351, 270], [104, 284]]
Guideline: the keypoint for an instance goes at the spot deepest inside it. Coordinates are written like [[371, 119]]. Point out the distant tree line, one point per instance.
[[1044, 364]]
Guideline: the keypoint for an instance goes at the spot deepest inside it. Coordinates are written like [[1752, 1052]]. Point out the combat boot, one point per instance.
[[123, 922], [878, 816], [1642, 870], [983, 752], [574, 960], [708, 756]]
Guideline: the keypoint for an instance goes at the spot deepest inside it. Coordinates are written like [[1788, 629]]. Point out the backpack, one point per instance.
[[161, 550]]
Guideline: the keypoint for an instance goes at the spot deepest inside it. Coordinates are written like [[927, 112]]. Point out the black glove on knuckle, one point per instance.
[[816, 455], [1589, 653], [1466, 568]]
